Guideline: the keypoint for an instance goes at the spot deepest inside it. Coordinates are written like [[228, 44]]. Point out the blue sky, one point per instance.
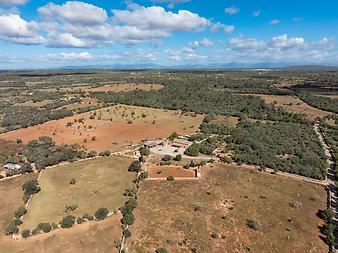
[[41, 34]]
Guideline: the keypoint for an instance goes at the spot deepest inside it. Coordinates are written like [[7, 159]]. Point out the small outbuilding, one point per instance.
[[181, 143], [12, 166]]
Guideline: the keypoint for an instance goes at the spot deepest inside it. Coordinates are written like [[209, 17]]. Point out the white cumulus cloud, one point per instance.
[[232, 10], [17, 30]]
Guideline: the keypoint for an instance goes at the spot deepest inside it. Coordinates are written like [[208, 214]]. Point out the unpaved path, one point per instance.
[[330, 181]]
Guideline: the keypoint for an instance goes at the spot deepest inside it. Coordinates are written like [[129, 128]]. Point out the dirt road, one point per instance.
[[330, 181]]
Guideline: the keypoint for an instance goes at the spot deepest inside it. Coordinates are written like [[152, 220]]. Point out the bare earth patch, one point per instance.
[[125, 87], [111, 128], [294, 105]]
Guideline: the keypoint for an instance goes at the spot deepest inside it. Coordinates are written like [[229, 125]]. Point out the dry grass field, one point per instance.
[[111, 128], [90, 237], [228, 121], [211, 214], [11, 198], [100, 182], [294, 105], [125, 87], [162, 172], [106, 87]]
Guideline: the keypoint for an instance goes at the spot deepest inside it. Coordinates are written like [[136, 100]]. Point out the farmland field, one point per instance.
[[112, 128], [162, 172], [11, 198], [210, 215], [294, 104], [89, 237], [100, 182]]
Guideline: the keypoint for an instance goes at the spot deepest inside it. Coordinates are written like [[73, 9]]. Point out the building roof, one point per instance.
[[181, 141], [12, 166]]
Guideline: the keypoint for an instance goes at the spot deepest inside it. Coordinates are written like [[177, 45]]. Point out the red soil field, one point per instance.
[[108, 135], [155, 171]]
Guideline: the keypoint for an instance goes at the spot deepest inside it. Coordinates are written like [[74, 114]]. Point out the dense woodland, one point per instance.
[[287, 147]]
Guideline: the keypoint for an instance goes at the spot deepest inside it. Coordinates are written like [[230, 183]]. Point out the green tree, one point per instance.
[[20, 212], [135, 166], [144, 151], [170, 178], [67, 221], [101, 213], [25, 233], [193, 150], [178, 157]]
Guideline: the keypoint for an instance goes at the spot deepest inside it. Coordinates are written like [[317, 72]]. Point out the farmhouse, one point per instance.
[[12, 166], [181, 143], [152, 144]]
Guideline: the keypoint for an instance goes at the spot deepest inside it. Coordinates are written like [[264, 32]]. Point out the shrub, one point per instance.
[[178, 157], [25, 233], [214, 235], [80, 220], [31, 187], [128, 219], [55, 226], [35, 231], [127, 233], [254, 224], [11, 229], [67, 221], [161, 250], [170, 178], [88, 217], [327, 215], [71, 207], [166, 158], [101, 213], [135, 166], [92, 154], [45, 227], [129, 206], [72, 181], [173, 136], [105, 153], [20, 212], [17, 222], [296, 204], [144, 151], [197, 206]]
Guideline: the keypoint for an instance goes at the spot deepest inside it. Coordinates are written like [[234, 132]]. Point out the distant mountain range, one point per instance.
[[232, 65]]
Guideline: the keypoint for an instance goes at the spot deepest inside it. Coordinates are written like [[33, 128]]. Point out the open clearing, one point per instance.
[[90, 237], [111, 128], [11, 198], [125, 87], [107, 87], [162, 172], [294, 105], [100, 182], [181, 215]]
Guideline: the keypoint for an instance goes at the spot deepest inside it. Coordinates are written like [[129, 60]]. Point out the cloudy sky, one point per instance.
[[43, 34]]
